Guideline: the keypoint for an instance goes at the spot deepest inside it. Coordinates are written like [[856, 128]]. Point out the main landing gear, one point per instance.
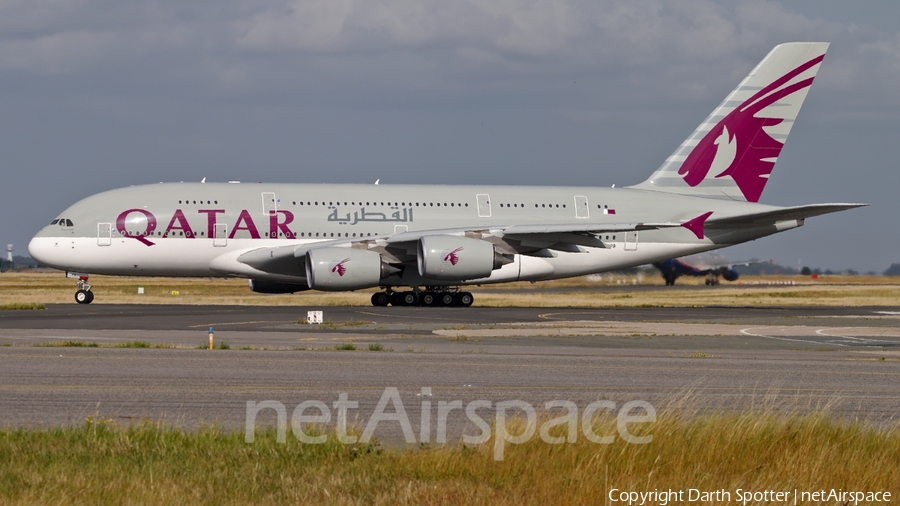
[[433, 298], [84, 295]]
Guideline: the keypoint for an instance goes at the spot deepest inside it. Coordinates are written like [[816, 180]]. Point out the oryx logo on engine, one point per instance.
[[451, 257], [340, 268]]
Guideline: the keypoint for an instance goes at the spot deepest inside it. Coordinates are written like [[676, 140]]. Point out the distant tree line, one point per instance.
[[19, 263], [893, 270]]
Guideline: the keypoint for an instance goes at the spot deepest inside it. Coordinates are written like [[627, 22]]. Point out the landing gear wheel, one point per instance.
[[408, 299], [428, 299], [447, 299], [380, 299], [464, 299], [84, 296]]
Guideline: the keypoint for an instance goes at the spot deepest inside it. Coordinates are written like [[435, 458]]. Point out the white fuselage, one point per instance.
[[200, 230]]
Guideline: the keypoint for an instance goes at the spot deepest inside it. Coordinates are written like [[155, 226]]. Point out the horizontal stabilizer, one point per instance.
[[783, 214]]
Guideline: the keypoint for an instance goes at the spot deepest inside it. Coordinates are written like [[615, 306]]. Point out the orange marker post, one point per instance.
[[210, 338]]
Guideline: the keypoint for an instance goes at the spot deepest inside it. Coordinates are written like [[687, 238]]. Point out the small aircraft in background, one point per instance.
[[674, 268]]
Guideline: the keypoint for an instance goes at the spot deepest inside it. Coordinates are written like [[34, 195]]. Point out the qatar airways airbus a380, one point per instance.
[[420, 244]]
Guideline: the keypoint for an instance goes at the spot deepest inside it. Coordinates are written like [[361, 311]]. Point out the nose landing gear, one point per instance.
[[84, 295]]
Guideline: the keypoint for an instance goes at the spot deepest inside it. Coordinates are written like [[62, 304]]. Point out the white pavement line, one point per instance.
[[821, 332], [747, 333]]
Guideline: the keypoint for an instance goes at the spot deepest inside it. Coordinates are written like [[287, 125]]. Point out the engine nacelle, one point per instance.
[[262, 286], [730, 275], [453, 258], [344, 268]]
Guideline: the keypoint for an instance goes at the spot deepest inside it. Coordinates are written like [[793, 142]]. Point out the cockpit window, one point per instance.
[[69, 223], [63, 222], [54, 222]]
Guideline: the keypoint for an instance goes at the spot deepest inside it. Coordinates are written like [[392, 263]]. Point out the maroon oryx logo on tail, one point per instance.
[[740, 144], [339, 267], [451, 257]]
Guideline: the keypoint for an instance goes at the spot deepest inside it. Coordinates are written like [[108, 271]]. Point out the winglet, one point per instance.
[[696, 225]]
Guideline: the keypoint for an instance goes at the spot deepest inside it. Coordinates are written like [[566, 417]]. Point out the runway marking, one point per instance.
[[861, 340], [748, 333]]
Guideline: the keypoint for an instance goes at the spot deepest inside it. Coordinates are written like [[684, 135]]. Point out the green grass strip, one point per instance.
[[20, 306]]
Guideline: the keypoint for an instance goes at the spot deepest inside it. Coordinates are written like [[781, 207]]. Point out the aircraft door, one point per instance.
[[269, 203], [104, 234], [221, 237], [582, 210], [631, 241], [484, 205]]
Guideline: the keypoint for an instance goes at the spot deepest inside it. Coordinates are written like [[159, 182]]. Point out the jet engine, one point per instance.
[[262, 286], [730, 274], [453, 258], [345, 268]]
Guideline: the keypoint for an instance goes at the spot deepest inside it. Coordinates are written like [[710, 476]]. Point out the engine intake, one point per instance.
[[344, 269], [457, 258]]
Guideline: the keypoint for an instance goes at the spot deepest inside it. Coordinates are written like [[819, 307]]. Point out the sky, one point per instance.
[[96, 95]]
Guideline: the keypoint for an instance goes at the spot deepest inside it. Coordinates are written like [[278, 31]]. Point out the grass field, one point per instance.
[[101, 463], [54, 288]]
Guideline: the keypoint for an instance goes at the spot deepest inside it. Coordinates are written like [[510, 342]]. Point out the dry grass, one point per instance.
[[100, 463], [33, 289]]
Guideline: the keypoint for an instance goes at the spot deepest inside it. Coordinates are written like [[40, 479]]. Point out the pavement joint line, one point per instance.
[[785, 391], [383, 315], [238, 323], [549, 316]]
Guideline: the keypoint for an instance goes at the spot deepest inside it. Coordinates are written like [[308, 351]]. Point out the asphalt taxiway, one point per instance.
[[846, 359]]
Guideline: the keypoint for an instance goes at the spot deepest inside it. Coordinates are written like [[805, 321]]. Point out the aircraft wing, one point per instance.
[[401, 247], [593, 228], [536, 240]]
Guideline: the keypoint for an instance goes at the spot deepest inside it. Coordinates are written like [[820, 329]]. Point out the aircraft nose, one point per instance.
[[37, 248]]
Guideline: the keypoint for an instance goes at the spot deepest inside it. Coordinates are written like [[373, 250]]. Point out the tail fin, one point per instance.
[[732, 153]]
